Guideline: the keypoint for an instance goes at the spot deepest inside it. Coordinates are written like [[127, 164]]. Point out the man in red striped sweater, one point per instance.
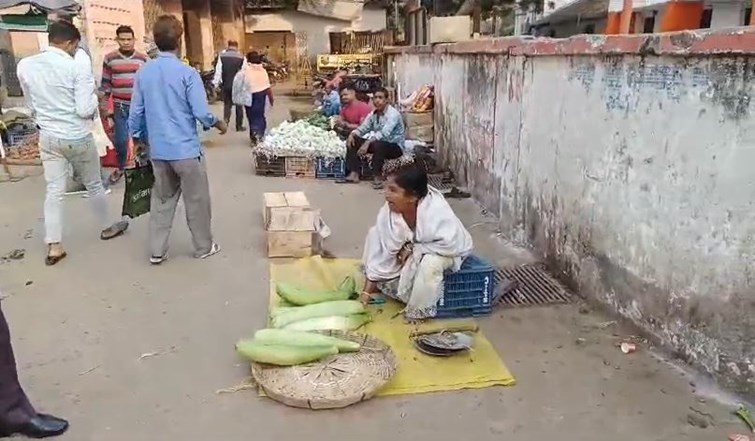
[[118, 72]]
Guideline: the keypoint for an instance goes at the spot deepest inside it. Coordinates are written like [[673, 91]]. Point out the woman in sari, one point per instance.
[[258, 84], [416, 238]]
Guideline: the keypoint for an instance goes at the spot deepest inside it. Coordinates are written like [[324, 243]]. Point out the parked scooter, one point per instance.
[[209, 88]]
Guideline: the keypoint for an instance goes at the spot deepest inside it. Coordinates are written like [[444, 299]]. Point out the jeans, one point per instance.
[[172, 178], [120, 121], [58, 155], [380, 150]]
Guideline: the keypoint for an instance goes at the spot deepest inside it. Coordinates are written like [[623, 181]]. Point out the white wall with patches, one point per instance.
[[317, 28], [631, 175]]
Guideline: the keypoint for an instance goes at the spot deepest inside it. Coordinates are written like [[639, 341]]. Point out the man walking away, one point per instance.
[[168, 100], [17, 415], [118, 72], [63, 99], [229, 64]]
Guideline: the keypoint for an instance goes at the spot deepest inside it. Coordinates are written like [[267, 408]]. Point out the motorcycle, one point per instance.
[[278, 72], [210, 90]]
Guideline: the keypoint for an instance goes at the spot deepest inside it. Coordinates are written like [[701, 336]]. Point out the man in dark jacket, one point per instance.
[[17, 415], [228, 65]]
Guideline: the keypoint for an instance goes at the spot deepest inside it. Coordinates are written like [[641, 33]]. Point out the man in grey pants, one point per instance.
[[61, 94], [168, 100]]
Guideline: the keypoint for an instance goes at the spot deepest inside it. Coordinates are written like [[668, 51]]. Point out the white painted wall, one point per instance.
[[317, 28], [640, 184], [726, 15], [557, 4]]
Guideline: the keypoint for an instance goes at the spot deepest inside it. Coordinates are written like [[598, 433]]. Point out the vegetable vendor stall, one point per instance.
[[303, 148]]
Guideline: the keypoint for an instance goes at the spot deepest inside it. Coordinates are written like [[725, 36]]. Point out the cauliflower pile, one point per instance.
[[300, 138]]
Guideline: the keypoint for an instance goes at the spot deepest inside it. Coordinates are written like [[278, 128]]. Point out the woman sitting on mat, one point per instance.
[[416, 238]]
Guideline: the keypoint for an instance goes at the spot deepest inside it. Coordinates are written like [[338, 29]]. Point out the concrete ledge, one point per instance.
[[736, 41]]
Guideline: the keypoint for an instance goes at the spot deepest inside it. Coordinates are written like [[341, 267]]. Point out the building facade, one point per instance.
[[564, 18], [287, 33]]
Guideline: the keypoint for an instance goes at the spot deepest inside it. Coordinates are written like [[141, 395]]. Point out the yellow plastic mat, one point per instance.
[[417, 373]]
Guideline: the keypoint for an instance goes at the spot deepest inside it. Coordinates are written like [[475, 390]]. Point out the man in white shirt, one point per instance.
[[101, 140], [62, 96]]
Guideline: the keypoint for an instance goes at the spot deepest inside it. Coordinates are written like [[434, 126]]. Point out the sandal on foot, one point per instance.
[[51, 260], [115, 230], [115, 177], [346, 181]]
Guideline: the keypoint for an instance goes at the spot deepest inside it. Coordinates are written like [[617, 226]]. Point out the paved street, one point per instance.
[[81, 328]]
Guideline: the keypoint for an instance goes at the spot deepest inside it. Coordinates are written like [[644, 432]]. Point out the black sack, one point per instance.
[[136, 199]]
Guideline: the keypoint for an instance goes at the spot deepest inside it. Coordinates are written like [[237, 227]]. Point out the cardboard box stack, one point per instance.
[[290, 224]]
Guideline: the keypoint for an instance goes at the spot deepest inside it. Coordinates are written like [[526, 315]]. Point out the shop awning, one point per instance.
[[71, 6], [346, 10], [576, 9], [26, 23]]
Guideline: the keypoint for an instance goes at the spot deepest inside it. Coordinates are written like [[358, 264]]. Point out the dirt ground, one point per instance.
[[81, 328]]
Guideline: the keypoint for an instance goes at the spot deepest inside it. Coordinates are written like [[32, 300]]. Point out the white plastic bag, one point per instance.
[[101, 140], [240, 93]]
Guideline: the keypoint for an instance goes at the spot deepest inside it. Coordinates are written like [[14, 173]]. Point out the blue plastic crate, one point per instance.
[[17, 135], [469, 291], [330, 168]]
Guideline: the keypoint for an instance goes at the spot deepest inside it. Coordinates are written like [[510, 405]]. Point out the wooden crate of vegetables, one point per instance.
[[300, 167], [290, 224]]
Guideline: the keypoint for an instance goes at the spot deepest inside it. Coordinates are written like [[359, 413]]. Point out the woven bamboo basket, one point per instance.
[[335, 382]]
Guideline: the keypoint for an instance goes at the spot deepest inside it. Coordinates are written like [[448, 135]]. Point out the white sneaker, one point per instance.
[[157, 260], [86, 194], [215, 249]]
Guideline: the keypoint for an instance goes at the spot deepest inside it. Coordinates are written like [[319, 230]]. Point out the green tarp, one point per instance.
[[28, 23]]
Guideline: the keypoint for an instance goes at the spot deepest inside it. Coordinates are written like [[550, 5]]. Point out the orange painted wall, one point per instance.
[[681, 16], [613, 24]]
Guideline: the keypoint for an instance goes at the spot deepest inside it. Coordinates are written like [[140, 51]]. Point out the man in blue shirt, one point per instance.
[[168, 100], [385, 129], [331, 103]]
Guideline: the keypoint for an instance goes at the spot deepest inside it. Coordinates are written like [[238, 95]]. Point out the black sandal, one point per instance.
[[52, 260], [346, 181]]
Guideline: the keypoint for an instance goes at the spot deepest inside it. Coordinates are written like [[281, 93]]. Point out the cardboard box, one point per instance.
[[415, 119], [292, 243], [421, 133], [273, 201], [290, 223]]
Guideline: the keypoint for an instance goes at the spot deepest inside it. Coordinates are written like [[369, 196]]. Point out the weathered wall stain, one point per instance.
[[630, 172]]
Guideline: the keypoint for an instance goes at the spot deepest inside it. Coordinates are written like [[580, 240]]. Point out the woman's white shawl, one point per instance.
[[438, 231]]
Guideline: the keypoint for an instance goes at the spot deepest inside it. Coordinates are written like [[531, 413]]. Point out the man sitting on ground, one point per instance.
[[353, 111], [385, 129], [331, 102]]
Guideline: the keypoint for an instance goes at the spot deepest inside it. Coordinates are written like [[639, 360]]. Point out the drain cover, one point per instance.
[[437, 181], [532, 287]]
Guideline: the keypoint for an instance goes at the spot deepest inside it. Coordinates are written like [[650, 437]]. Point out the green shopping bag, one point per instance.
[[136, 199]]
